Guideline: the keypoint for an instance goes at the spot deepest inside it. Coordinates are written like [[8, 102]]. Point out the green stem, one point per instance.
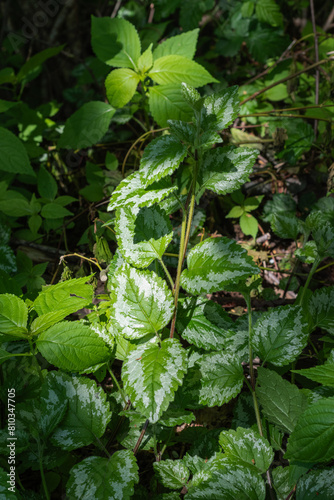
[[313, 269], [170, 279], [179, 270], [38, 368], [122, 393], [40, 456]]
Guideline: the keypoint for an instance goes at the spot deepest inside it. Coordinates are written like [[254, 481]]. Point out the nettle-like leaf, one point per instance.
[[161, 157], [13, 155], [323, 374], [280, 334], [131, 192], [13, 316], [152, 373], [312, 440], [228, 482], [203, 323], [72, 346], [222, 378], [221, 108], [247, 447], [172, 474], [316, 484], [179, 45], [166, 102], [121, 85], [143, 234], [104, 478], [185, 132], [87, 125], [282, 402], [115, 41], [214, 264], [178, 69], [145, 61], [285, 225], [226, 169], [88, 412], [140, 302], [321, 309]]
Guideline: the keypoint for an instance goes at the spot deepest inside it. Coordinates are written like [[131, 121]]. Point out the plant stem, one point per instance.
[[313, 269], [170, 279], [142, 434], [92, 261], [40, 456], [122, 393], [179, 270]]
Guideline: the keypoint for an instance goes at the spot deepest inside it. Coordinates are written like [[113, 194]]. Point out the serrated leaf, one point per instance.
[[52, 405], [203, 323], [166, 102], [235, 213], [323, 374], [317, 484], [280, 477], [115, 41], [222, 378], [267, 11], [177, 69], [121, 85], [285, 225], [282, 402], [312, 439], [104, 478], [308, 253], [249, 225], [221, 108], [7, 261], [87, 125], [191, 95], [72, 346], [226, 169], [13, 156], [161, 157], [140, 302], [54, 211], [143, 234], [87, 415], [46, 184], [214, 264], [245, 446], [145, 61], [179, 45], [172, 417], [185, 132], [228, 482], [13, 316], [280, 335], [172, 474], [321, 308], [151, 374], [132, 193]]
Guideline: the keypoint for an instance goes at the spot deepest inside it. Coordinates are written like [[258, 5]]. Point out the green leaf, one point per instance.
[[247, 447], [161, 157], [312, 439], [280, 335], [87, 415], [321, 309], [221, 108], [267, 11], [282, 402], [54, 211], [172, 417], [323, 374], [226, 169], [285, 225], [13, 155], [132, 193], [72, 346], [203, 323], [143, 234], [115, 42], [323, 235], [46, 184], [121, 86], [229, 482], [185, 132], [249, 225], [7, 263], [13, 316], [4, 355], [141, 302], [178, 69], [86, 126], [214, 264], [308, 253], [151, 374], [179, 45], [166, 102], [104, 478], [317, 484], [172, 474], [145, 61], [31, 68], [281, 484], [281, 203], [52, 405], [191, 95], [222, 378], [6, 105], [235, 213]]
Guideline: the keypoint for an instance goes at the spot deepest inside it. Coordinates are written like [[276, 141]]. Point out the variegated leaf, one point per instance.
[[214, 264], [222, 108], [141, 302], [172, 473], [161, 157], [321, 309], [226, 169], [280, 335], [143, 234], [131, 192], [152, 373]]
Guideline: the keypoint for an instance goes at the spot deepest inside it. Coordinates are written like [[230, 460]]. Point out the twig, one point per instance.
[[142, 434], [316, 50], [329, 21], [116, 8]]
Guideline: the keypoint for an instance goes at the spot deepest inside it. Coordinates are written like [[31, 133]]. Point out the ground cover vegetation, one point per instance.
[[167, 246]]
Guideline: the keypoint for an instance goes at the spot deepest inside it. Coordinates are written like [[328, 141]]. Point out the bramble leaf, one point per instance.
[[152, 373], [214, 264], [177, 69], [121, 85]]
